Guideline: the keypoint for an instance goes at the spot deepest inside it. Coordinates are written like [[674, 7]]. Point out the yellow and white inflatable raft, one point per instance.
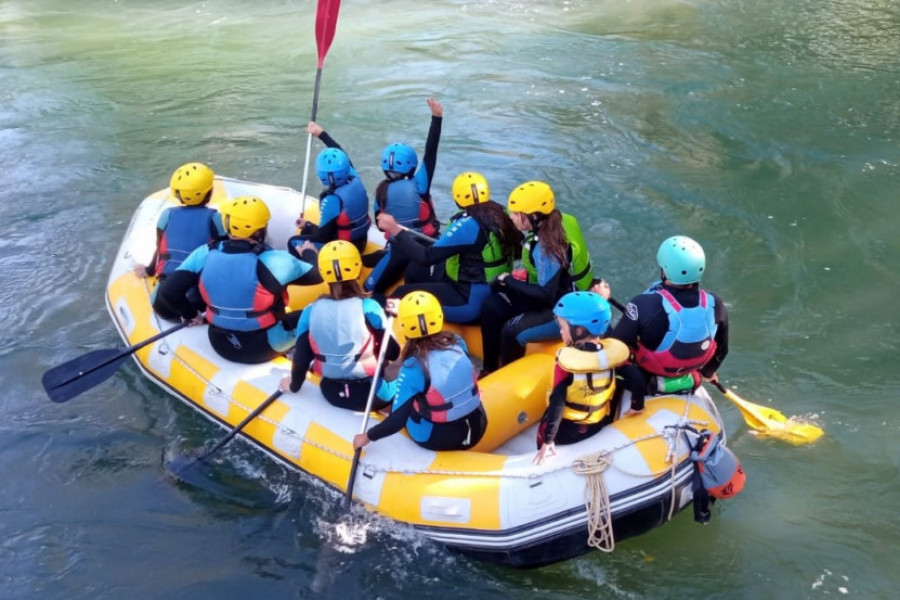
[[491, 501]]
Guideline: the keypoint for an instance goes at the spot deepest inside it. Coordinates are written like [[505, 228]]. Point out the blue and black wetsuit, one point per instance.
[[462, 298], [520, 312], [439, 404], [408, 200], [343, 212], [341, 339], [244, 285]]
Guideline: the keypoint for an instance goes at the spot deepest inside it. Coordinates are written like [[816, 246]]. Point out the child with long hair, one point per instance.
[[437, 398]]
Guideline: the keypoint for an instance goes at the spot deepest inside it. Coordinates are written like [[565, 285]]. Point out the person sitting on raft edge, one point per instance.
[[237, 273], [340, 335], [437, 397], [584, 395]]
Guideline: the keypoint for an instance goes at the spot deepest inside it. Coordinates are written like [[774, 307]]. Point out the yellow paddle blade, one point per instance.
[[768, 422]]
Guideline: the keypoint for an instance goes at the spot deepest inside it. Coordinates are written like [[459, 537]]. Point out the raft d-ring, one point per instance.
[[522, 417], [535, 479], [369, 472]]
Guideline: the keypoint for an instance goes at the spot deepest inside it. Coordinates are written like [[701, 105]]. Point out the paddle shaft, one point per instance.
[[369, 401], [309, 137], [240, 426]]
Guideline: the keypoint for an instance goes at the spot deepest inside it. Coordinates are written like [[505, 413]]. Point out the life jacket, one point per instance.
[[235, 298], [476, 265], [690, 341], [342, 344], [187, 229], [408, 207], [353, 221], [580, 268], [593, 386], [451, 391]]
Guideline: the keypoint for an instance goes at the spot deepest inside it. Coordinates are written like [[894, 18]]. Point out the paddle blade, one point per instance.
[[769, 422], [794, 432], [64, 382], [326, 24]]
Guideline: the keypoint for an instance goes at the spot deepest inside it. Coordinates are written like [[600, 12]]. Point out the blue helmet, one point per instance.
[[681, 259], [399, 158], [333, 167], [584, 309]]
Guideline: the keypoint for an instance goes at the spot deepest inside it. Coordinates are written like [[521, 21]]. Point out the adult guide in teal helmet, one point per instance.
[[676, 328], [343, 203], [405, 194]]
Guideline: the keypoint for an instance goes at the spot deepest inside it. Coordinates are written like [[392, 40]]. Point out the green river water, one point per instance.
[[766, 130]]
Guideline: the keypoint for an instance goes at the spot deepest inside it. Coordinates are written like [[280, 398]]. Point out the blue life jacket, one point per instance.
[[451, 391], [353, 222], [187, 229], [235, 298], [404, 203], [340, 338], [690, 341]]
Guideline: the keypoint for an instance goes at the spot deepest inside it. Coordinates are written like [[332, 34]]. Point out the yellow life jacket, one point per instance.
[[588, 397]]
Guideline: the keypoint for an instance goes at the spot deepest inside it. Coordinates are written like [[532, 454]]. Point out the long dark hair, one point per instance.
[[552, 237], [341, 290], [495, 218], [420, 347], [382, 189]]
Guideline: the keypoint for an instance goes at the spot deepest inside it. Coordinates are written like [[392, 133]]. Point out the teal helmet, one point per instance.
[[584, 309], [681, 259]]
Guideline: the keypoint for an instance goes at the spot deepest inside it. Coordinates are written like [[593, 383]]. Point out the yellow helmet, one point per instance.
[[191, 183], [339, 261], [532, 197], [245, 215], [420, 314], [470, 188]]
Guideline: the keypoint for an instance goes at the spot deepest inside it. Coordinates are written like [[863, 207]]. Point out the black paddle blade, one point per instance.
[[64, 382], [217, 481], [180, 466]]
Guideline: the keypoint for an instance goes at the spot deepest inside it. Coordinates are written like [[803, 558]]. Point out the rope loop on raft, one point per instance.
[[596, 499]]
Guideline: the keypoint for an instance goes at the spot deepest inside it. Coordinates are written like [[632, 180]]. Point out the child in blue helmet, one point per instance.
[[405, 194], [343, 203], [585, 376]]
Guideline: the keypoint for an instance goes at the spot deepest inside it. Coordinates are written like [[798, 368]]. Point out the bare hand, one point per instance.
[[301, 222], [602, 288], [545, 451], [391, 305], [360, 440], [714, 378], [314, 129], [387, 223], [437, 109], [285, 384], [200, 319], [140, 270]]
